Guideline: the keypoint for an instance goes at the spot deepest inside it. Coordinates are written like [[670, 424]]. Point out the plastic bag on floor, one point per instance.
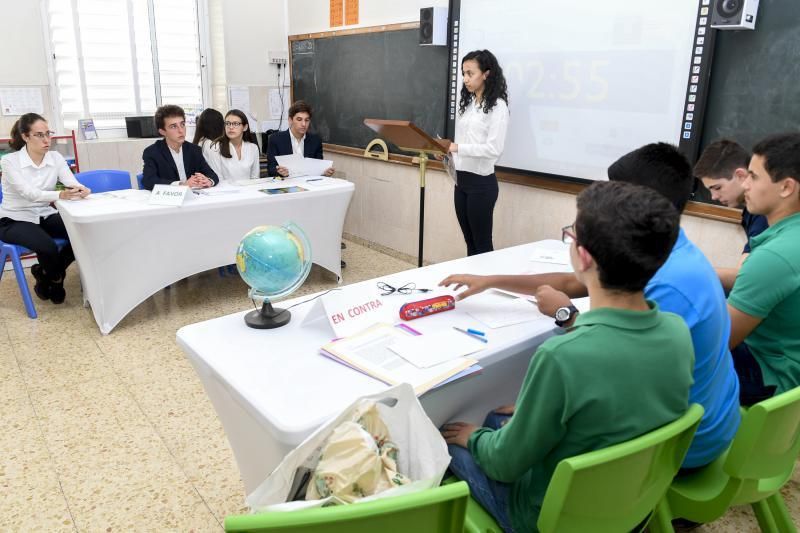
[[416, 451]]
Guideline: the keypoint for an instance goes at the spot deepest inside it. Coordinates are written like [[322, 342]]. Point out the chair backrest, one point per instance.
[[105, 180], [616, 488], [440, 509], [139, 178], [766, 446]]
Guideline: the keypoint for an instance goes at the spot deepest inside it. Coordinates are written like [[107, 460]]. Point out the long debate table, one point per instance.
[[127, 250], [272, 388]]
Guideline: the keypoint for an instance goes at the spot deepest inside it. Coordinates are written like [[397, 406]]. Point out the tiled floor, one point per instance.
[[115, 433]]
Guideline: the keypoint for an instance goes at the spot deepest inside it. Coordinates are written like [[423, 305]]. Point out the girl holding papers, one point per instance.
[[29, 182], [234, 156], [479, 140]]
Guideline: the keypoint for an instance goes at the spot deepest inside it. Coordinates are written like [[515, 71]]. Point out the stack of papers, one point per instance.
[[426, 351], [498, 310], [303, 166], [369, 352]]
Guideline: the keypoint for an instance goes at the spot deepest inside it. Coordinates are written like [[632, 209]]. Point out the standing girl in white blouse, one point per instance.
[[479, 140], [234, 156], [29, 182]]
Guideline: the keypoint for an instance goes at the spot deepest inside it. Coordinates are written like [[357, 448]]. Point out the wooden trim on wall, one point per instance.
[[698, 209], [354, 31]]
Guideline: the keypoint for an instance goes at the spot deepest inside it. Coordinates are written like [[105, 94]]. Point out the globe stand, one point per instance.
[[267, 317]]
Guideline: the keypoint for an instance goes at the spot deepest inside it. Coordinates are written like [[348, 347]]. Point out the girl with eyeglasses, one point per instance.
[[30, 174], [234, 155]]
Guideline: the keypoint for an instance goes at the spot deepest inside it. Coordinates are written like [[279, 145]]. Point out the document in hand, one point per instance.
[[369, 353], [303, 166]]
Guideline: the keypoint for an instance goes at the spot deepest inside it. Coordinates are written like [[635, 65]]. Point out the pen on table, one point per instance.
[[473, 335], [314, 179], [476, 332]]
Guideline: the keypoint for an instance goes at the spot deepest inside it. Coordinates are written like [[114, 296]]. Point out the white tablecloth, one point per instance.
[[272, 388], [127, 250]]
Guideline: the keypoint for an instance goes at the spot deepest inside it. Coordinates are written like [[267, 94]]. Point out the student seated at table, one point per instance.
[[30, 174], [210, 127], [686, 285], [172, 160], [765, 301], [722, 168], [234, 156], [622, 369], [296, 140]]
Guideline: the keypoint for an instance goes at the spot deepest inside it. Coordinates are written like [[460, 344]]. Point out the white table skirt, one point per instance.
[[272, 388], [127, 250]]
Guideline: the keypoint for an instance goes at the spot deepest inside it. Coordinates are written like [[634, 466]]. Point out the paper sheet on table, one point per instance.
[[555, 256], [369, 353], [425, 351], [257, 181], [497, 311], [134, 195], [216, 191], [303, 166]]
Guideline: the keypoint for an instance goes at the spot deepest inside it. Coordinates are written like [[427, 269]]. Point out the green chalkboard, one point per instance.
[[385, 75], [755, 77]]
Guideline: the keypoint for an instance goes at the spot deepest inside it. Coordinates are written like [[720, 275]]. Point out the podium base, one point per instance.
[[267, 317]]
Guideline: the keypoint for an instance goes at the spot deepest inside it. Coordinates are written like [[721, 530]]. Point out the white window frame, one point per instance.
[[204, 45]]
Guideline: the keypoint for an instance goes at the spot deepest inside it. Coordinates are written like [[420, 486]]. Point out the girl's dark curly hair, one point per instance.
[[494, 87]]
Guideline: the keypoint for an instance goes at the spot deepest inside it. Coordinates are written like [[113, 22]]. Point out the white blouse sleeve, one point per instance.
[[255, 166], [213, 158], [496, 137], [65, 175], [14, 180]]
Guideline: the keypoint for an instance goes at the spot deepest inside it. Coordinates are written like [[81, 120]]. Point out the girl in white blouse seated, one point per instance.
[[479, 141], [234, 156], [26, 216], [210, 127]]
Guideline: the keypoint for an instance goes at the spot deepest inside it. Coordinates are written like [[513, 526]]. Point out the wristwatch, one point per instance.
[[565, 314]]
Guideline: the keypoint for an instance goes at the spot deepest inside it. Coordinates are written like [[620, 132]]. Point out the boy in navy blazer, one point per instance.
[[172, 159], [297, 139]]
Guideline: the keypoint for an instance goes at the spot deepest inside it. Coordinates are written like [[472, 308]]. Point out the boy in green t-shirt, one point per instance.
[[765, 301], [623, 369]]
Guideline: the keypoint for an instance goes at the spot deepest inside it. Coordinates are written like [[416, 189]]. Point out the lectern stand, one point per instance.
[[410, 138]]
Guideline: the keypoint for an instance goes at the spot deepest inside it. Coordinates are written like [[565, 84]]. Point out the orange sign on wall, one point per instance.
[[337, 12], [351, 12]]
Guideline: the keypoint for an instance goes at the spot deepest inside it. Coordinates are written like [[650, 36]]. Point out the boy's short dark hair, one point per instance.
[[720, 159], [629, 230], [659, 166], [166, 111], [781, 155], [300, 106]]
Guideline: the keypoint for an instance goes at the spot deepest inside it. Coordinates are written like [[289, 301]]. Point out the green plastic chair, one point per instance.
[[439, 510], [758, 463], [610, 490]]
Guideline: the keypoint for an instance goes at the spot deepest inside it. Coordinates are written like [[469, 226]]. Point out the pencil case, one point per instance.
[[422, 308]]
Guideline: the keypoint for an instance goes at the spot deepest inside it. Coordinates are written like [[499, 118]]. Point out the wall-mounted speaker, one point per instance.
[[734, 14], [433, 26]]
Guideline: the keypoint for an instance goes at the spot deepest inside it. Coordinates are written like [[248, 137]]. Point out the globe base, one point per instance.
[[267, 317]]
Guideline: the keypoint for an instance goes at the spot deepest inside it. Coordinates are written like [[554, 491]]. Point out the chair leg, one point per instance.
[[3, 257], [783, 520], [764, 516], [24, 291], [661, 521]]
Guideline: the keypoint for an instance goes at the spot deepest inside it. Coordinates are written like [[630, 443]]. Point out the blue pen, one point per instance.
[[476, 332], [474, 336]]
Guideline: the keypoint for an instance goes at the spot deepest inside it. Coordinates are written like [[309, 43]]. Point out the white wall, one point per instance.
[[310, 16], [23, 59]]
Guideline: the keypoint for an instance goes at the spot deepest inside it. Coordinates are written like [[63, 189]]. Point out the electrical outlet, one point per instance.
[[278, 57]]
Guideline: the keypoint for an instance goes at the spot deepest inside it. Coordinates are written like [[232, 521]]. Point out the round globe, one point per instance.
[[274, 261]]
